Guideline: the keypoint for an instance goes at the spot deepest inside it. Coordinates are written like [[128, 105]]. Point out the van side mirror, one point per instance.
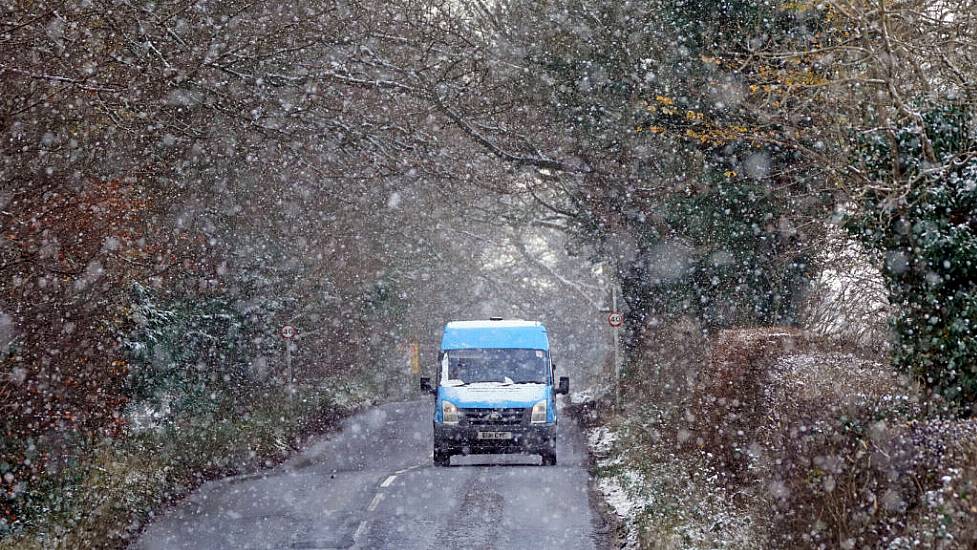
[[564, 386], [426, 385]]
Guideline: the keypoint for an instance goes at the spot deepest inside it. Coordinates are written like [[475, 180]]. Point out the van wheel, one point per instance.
[[549, 458], [442, 458]]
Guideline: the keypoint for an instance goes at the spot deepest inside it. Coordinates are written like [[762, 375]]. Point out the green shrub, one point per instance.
[[741, 271], [179, 350], [108, 489], [925, 232]]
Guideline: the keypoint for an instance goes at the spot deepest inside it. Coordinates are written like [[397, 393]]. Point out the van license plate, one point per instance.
[[494, 435]]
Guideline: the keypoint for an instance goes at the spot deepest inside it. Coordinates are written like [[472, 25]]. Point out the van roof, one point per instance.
[[511, 333]]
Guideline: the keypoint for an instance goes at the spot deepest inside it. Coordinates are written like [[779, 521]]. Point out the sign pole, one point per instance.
[[288, 333], [617, 362], [616, 320], [288, 368]]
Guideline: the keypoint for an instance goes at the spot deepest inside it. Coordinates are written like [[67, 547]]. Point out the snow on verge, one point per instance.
[[664, 498], [619, 491]]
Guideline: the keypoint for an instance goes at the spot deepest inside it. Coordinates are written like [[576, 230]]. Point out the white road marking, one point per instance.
[[359, 530], [375, 502], [388, 481], [414, 467]]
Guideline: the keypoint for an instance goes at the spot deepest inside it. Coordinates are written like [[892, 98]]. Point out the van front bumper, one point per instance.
[[465, 439]]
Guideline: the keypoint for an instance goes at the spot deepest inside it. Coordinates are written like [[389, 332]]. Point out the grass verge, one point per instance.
[[107, 492], [781, 440], [662, 499]]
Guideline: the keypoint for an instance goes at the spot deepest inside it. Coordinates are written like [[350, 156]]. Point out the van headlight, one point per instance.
[[449, 413], [539, 413]]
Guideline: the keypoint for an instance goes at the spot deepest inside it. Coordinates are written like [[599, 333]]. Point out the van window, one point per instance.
[[516, 366]]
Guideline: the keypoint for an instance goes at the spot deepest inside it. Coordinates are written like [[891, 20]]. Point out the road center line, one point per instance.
[[359, 530], [388, 481], [375, 502], [414, 467]]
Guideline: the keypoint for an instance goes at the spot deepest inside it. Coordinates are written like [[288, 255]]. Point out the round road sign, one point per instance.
[[615, 319], [288, 332]]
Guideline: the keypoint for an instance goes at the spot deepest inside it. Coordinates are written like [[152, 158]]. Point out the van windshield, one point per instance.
[[514, 366]]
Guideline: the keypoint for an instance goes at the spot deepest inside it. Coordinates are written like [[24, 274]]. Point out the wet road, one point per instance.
[[373, 486]]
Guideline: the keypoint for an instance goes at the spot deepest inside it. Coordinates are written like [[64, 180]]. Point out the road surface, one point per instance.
[[372, 485]]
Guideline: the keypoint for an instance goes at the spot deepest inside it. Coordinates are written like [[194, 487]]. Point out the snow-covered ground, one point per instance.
[[663, 499], [624, 502]]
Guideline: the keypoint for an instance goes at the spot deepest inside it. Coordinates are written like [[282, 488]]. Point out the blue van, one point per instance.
[[494, 390]]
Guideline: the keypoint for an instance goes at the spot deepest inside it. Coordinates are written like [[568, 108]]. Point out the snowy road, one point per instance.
[[373, 486]]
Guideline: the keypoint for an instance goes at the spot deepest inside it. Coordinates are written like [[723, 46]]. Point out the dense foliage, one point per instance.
[[928, 239], [695, 195], [744, 271]]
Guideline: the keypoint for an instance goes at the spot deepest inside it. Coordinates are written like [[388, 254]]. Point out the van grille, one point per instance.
[[494, 417]]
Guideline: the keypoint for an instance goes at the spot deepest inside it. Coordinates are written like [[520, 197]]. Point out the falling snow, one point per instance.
[[232, 235]]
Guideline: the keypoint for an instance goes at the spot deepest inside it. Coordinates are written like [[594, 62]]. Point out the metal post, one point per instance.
[[615, 324], [617, 363], [290, 388]]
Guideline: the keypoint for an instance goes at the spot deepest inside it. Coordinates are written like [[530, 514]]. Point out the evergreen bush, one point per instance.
[[925, 231]]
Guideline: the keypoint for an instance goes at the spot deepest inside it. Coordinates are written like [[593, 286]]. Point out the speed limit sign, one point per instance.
[[615, 319], [288, 332]]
